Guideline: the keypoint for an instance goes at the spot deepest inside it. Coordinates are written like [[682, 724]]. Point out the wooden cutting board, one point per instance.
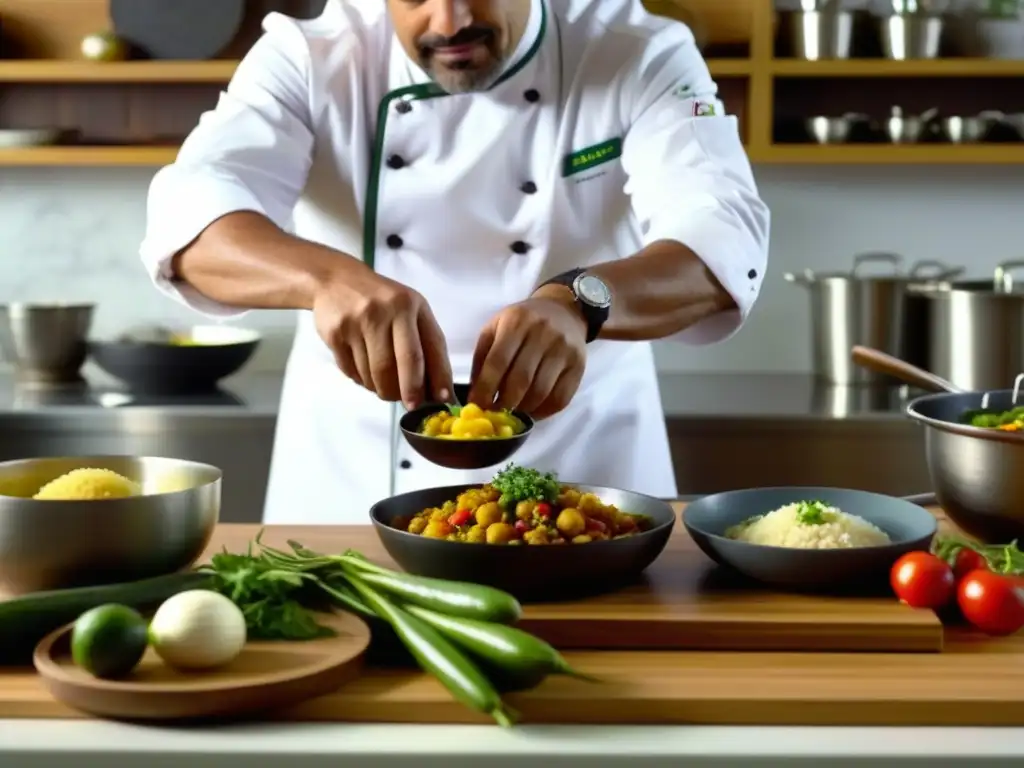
[[684, 603]]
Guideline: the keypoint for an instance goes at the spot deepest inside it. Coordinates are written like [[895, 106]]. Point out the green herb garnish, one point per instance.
[[454, 409], [813, 513], [524, 484]]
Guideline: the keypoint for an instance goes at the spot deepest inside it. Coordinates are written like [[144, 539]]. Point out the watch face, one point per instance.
[[593, 291]]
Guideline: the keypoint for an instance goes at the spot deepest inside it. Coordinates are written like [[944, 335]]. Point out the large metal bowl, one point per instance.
[[58, 544], [531, 573]]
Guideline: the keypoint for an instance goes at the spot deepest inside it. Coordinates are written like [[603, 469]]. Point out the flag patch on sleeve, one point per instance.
[[703, 109]]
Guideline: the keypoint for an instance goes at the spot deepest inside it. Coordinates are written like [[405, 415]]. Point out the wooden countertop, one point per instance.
[[975, 681]]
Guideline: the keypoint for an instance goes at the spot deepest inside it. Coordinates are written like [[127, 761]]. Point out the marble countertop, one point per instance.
[[89, 743], [684, 395]]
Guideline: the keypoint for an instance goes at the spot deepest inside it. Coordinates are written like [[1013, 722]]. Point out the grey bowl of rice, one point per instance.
[[808, 538]]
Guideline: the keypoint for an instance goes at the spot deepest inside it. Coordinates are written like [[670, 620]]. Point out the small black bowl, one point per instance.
[[531, 573], [461, 454], [909, 526]]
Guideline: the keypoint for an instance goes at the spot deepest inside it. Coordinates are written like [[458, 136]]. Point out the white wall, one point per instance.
[[73, 234]]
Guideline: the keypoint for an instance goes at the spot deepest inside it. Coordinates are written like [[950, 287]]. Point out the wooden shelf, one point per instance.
[[730, 67], [887, 154], [886, 68], [72, 71], [191, 71], [88, 156]]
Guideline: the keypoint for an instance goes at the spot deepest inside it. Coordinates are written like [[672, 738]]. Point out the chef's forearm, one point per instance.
[[656, 293], [245, 260]]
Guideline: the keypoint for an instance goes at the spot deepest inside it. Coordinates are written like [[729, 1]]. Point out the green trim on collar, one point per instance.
[[420, 92]]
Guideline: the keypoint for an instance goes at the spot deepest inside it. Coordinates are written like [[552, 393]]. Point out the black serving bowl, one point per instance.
[[909, 526], [461, 454], [161, 368], [531, 573]]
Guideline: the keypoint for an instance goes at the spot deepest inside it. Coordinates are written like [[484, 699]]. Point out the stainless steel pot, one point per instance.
[[977, 474], [851, 308], [976, 329], [818, 35]]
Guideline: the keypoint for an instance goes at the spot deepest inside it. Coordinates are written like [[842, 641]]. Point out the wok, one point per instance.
[[977, 473]]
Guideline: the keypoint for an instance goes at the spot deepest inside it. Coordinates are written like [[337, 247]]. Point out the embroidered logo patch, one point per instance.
[[703, 109], [591, 157]]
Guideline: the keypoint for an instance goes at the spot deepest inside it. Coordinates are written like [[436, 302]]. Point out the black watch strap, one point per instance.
[[594, 315]]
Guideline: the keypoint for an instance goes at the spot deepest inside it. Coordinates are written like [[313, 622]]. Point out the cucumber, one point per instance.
[[26, 620], [108, 641]]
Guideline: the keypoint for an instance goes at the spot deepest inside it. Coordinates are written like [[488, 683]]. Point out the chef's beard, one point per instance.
[[467, 76]]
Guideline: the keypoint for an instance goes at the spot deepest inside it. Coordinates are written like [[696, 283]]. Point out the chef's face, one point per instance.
[[461, 44]]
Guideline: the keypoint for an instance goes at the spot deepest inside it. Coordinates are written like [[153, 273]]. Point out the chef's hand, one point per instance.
[[384, 337], [532, 355]]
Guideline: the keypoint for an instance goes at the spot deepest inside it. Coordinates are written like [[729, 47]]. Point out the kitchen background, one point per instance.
[[73, 234], [744, 413]]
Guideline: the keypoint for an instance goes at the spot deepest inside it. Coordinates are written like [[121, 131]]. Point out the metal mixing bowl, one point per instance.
[[58, 544], [46, 342]]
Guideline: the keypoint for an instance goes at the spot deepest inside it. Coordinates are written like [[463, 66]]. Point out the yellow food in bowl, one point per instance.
[[88, 484], [471, 422]]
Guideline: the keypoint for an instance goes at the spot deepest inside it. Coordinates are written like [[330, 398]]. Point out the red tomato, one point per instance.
[[460, 517], [922, 580], [544, 509], [992, 603], [968, 560]]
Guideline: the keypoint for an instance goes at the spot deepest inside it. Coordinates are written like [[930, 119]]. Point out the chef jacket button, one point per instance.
[[528, 188], [752, 274], [405, 464], [403, 107], [532, 95], [395, 162], [520, 247], [394, 241]]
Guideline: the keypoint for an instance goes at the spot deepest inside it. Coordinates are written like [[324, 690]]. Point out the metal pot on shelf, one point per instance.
[[849, 309], [976, 333]]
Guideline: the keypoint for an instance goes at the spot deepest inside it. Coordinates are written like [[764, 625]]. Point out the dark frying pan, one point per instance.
[[977, 473], [531, 573]]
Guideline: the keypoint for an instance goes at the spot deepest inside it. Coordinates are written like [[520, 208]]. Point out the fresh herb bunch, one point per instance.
[[1006, 559], [525, 484]]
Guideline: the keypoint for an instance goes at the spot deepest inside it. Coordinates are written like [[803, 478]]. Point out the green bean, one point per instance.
[[453, 598], [438, 656], [522, 655]]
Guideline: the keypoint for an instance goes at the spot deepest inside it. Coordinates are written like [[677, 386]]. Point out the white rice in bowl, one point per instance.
[[809, 525]]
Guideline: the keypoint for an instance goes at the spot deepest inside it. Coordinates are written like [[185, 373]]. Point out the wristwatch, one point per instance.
[[593, 296]]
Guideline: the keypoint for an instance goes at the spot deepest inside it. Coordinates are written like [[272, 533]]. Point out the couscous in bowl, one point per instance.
[[890, 526]]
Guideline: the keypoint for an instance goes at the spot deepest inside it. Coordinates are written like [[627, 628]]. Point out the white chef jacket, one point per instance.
[[604, 133]]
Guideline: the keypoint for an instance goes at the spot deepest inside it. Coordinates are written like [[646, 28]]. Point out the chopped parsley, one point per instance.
[[524, 484]]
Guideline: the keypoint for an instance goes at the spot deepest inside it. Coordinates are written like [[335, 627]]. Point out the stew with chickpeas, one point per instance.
[[522, 506]]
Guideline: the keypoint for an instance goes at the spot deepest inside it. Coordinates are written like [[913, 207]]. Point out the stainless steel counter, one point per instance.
[[727, 431], [745, 396]]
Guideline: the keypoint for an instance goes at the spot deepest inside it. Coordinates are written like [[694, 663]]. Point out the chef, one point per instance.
[[520, 194]]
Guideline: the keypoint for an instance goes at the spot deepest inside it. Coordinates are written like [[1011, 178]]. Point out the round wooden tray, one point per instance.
[[267, 675]]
